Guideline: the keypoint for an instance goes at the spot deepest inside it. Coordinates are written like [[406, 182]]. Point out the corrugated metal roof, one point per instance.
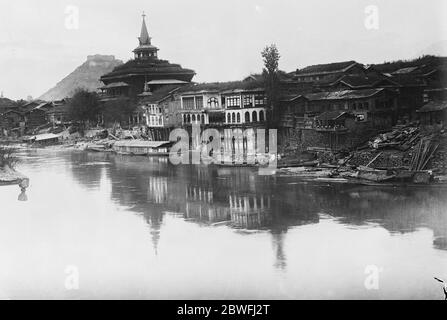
[[166, 81], [343, 95], [115, 85]]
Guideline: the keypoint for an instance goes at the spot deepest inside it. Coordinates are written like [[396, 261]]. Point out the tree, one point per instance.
[[270, 56], [84, 106], [118, 110]]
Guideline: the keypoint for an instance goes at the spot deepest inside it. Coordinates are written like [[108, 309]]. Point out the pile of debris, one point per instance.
[[402, 137]]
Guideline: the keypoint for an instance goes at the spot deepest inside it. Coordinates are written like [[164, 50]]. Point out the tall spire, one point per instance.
[[144, 36]]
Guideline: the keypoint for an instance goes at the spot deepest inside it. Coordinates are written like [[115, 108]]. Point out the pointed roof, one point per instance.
[[144, 36]]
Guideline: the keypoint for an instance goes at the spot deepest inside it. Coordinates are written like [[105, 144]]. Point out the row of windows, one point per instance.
[[235, 101], [197, 102], [156, 121], [153, 109], [235, 117], [193, 118], [190, 103]]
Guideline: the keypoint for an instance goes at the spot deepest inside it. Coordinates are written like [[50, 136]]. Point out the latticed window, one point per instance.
[[199, 102], [188, 102], [213, 102], [260, 100], [248, 101], [234, 101]]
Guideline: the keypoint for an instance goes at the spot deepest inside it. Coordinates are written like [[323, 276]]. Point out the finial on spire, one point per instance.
[[144, 36]]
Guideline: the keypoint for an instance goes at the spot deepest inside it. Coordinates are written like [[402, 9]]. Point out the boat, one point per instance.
[[375, 175], [142, 147]]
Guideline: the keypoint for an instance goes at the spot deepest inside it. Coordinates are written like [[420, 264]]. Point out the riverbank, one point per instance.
[[9, 176]]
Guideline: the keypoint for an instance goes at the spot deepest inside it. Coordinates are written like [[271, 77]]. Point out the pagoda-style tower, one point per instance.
[[146, 72], [145, 50]]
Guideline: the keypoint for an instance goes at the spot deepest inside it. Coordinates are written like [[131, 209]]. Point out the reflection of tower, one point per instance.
[[278, 247], [250, 211], [154, 219]]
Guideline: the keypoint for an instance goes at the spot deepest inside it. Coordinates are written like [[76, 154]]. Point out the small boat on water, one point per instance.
[[142, 147]]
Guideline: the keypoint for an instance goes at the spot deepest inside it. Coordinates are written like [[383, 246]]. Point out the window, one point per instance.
[[213, 103], [228, 118], [199, 102], [234, 101], [188, 103], [248, 101], [233, 118], [254, 116], [247, 116], [360, 117], [261, 115], [238, 118], [260, 100]]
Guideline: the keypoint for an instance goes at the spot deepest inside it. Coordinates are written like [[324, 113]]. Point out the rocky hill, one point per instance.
[[85, 76]]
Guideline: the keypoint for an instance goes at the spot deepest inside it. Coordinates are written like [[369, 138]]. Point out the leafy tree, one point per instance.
[[84, 106], [118, 110], [270, 56]]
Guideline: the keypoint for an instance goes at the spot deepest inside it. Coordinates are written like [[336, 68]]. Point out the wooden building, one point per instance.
[[131, 78], [433, 115]]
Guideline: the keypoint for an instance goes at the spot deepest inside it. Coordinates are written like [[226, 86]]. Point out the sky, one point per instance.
[[43, 41]]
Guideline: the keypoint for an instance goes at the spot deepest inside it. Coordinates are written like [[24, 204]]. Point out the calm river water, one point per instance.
[[106, 226]]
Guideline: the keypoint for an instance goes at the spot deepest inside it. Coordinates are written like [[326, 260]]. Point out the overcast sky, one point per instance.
[[220, 40]]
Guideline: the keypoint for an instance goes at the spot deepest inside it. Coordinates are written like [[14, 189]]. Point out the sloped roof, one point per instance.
[[144, 35], [223, 87], [326, 68], [42, 105], [119, 84], [331, 115], [343, 94], [365, 81], [141, 143], [434, 106], [166, 81], [405, 70], [153, 67], [45, 136], [161, 93]]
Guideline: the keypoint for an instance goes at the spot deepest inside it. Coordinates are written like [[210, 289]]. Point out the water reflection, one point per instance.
[[244, 235], [241, 199]]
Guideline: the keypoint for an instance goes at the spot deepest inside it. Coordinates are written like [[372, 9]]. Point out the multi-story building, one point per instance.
[[201, 104], [245, 106]]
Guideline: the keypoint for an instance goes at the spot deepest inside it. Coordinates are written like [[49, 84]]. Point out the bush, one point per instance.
[[7, 157]]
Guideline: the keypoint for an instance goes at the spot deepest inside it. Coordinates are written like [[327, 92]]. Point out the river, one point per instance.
[[106, 226]]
